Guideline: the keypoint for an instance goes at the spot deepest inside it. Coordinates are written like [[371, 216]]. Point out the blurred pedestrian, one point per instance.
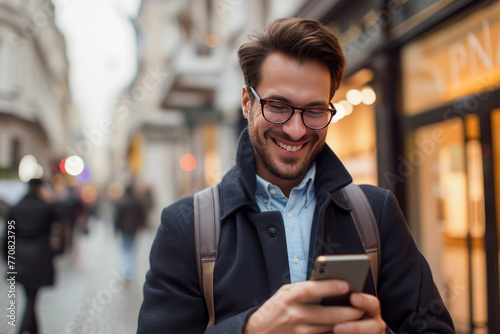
[[33, 218], [130, 217], [145, 194], [74, 214]]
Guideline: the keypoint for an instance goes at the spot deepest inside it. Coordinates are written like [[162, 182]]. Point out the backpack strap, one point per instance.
[[206, 239], [364, 220]]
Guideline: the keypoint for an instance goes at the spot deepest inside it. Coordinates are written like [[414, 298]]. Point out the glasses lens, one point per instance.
[[276, 112], [317, 118]]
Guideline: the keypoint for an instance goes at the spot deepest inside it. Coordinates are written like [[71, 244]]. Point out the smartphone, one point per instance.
[[351, 268]]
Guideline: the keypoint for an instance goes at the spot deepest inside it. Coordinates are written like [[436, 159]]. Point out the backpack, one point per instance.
[[207, 235]]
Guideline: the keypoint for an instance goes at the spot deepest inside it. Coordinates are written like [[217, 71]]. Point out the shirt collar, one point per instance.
[[263, 187]]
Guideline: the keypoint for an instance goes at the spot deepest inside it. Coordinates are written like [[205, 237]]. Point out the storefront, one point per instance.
[[432, 135], [451, 110]]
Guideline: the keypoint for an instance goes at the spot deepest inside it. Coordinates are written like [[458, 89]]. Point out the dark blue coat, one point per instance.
[[33, 255], [252, 261]]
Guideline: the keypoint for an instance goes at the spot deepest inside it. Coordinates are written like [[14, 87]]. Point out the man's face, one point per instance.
[[285, 152]]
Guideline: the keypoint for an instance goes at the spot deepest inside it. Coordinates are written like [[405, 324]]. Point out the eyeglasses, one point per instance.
[[278, 112]]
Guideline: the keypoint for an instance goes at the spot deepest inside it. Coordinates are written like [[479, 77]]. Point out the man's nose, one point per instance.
[[294, 127]]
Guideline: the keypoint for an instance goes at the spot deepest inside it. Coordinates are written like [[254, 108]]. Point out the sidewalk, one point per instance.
[[89, 295]]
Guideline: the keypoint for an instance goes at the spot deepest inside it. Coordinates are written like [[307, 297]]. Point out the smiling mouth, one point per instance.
[[288, 148]]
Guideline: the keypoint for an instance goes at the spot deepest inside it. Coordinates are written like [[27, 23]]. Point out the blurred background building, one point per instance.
[[37, 116], [177, 125], [418, 113]]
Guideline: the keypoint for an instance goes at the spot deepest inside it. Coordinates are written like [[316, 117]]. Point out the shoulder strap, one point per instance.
[[362, 215], [206, 238]]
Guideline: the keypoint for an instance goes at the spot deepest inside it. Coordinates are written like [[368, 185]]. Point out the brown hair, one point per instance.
[[300, 39]]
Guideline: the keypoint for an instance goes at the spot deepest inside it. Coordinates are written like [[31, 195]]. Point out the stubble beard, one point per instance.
[[288, 168]]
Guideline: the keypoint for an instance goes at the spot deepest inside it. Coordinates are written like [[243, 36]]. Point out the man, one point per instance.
[[130, 217], [280, 208]]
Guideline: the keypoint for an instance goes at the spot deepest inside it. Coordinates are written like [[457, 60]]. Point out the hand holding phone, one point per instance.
[[351, 268]]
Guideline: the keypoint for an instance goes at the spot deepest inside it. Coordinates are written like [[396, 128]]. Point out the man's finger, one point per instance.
[[370, 304], [328, 315], [367, 326], [305, 291]]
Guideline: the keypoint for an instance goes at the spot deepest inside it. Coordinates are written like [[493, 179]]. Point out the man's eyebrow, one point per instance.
[[284, 99]]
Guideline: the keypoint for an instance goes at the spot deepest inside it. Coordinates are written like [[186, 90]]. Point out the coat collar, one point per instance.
[[237, 188]]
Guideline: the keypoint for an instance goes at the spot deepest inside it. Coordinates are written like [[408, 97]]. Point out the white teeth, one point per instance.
[[289, 148]]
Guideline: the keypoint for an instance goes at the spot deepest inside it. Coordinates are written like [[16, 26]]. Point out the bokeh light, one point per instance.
[[339, 115], [85, 175], [38, 172], [74, 165], [188, 162], [89, 194], [340, 109], [347, 107], [212, 40], [354, 97], [29, 168], [368, 95], [61, 166]]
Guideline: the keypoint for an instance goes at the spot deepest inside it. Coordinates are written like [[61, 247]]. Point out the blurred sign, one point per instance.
[[410, 14], [135, 157], [461, 60]]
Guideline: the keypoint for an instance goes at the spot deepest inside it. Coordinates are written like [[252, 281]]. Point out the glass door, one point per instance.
[[443, 163]]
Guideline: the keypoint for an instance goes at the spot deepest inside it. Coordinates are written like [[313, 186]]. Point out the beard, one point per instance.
[[284, 168]]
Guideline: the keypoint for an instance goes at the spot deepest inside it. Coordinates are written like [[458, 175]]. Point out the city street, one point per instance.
[[89, 295]]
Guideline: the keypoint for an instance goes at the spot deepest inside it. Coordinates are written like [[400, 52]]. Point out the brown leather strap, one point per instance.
[[206, 237], [364, 220]]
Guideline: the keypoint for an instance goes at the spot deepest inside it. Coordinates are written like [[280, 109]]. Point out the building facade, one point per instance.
[[434, 138], [37, 116], [177, 124]]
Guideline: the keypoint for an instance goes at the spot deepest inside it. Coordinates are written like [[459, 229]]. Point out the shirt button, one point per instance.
[[272, 191], [266, 200], [289, 215], [272, 232], [295, 260]]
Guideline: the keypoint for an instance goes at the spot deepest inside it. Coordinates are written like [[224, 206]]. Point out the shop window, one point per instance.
[[446, 212], [352, 135]]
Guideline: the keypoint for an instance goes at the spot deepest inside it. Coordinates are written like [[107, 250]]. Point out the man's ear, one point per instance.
[[245, 102]]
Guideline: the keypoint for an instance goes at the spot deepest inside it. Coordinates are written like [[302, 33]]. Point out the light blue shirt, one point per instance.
[[297, 212]]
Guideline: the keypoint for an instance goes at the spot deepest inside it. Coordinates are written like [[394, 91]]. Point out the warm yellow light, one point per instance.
[[354, 97], [348, 108], [368, 95], [339, 114], [212, 40], [339, 107]]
